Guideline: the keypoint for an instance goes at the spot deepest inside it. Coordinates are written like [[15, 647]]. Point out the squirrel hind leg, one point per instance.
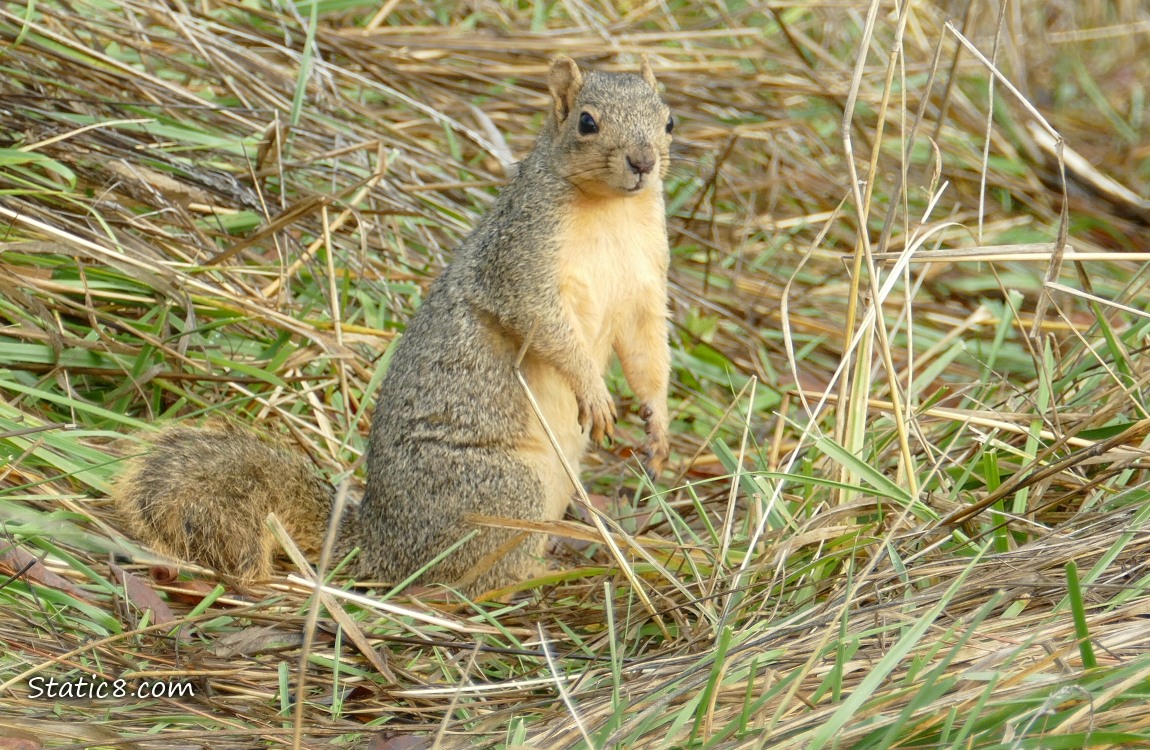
[[498, 558], [412, 512]]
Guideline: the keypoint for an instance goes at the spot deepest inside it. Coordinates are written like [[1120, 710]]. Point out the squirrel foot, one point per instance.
[[657, 447], [597, 413]]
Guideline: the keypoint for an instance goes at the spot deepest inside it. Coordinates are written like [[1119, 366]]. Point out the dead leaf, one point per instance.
[[164, 574], [707, 466], [190, 593], [17, 561], [392, 741], [19, 743], [601, 503], [142, 595], [254, 640]]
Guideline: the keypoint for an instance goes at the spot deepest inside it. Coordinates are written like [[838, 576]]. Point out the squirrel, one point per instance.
[[569, 264]]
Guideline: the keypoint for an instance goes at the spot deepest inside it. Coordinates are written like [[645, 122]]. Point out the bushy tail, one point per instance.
[[202, 494]]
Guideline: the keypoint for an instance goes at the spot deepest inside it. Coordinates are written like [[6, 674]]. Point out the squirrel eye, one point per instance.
[[670, 123], [587, 124]]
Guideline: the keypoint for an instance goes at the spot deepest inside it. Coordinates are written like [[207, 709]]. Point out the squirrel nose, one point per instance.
[[641, 165]]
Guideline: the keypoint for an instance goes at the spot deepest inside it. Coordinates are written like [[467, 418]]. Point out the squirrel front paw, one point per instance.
[[657, 447], [597, 413]]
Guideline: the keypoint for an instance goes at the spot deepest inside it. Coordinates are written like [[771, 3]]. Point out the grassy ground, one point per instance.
[[921, 523]]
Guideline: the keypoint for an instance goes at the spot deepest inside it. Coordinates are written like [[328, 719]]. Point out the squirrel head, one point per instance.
[[610, 132]]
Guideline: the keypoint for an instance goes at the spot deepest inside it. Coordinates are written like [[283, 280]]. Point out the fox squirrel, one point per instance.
[[572, 259]]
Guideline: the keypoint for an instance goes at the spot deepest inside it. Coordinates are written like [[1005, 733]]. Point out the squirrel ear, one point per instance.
[[648, 74], [565, 81]]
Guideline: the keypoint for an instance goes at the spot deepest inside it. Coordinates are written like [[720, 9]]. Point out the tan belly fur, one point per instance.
[[613, 263]]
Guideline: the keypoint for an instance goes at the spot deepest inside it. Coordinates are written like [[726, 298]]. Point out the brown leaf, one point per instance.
[[18, 561], [163, 574], [19, 743], [360, 692], [602, 503], [388, 740], [189, 592], [254, 640], [142, 595], [707, 467]]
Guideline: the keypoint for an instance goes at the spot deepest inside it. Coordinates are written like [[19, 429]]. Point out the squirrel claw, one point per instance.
[[658, 445], [602, 429], [597, 416], [653, 460]]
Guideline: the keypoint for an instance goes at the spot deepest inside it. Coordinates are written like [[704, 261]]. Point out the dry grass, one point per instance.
[[920, 528]]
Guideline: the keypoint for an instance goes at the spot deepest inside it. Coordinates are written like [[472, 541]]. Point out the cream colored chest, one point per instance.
[[612, 264]]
